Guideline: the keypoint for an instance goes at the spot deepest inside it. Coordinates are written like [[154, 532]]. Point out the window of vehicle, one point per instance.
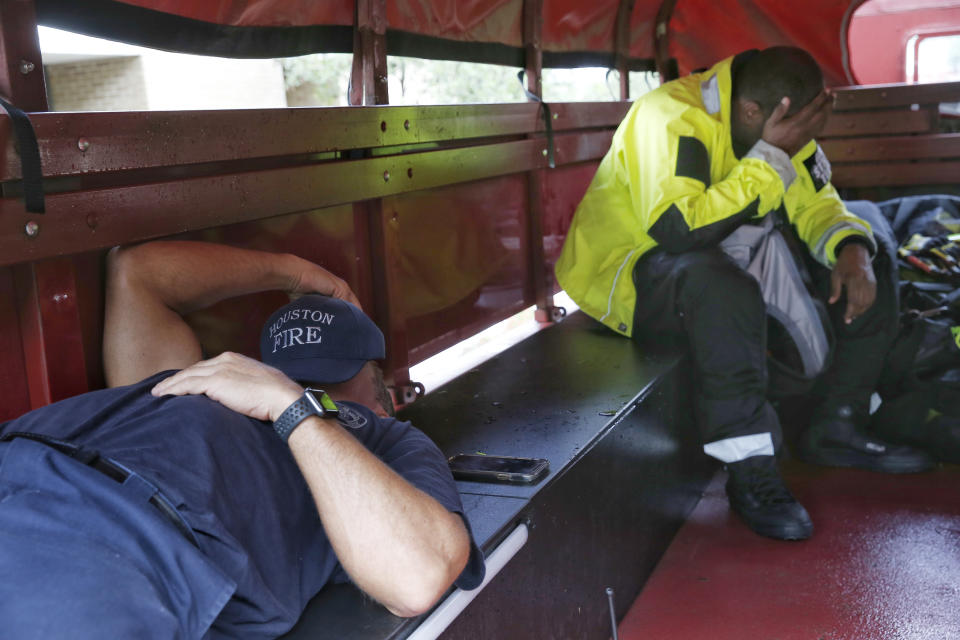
[[91, 74], [935, 58], [413, 81]]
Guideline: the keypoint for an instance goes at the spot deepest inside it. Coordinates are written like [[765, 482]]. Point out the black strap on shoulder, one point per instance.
[[29, 157], [547, 118]]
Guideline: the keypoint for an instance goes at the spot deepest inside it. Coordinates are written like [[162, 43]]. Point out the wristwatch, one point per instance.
[[313, 402]]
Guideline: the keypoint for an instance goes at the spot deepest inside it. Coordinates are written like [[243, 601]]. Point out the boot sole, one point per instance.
[[781, 531], [856, 460], [795, 531]]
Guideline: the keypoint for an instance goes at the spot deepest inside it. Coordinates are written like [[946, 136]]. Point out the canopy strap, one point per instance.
[[547, 118], [29, 152]]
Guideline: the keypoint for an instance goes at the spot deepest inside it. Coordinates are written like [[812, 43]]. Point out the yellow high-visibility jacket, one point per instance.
[[671, 179]]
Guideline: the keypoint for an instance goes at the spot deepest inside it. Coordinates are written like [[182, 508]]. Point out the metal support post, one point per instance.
[[388, 308], [621, 45], [376, 230], [46, 291], [370, 53], [666, 66], [539, 289]]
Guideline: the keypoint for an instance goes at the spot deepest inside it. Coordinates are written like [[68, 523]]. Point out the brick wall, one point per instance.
[[112, 84]]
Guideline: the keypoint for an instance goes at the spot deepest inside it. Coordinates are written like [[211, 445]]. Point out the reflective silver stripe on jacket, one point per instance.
[[710, 92], [613, 287], [820, 251]]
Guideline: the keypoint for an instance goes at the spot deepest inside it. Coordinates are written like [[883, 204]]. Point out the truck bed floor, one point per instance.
[[883, 564]]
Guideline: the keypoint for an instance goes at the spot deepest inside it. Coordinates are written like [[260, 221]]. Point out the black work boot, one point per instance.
[[757, 494], [837, 441]]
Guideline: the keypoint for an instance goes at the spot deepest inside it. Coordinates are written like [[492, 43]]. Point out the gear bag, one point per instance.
[[928, 344]]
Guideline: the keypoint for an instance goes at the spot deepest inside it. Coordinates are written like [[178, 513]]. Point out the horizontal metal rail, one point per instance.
[[84, 143], [886, 96], [81, 221], [887, 148], [886, 121], [896, 174]]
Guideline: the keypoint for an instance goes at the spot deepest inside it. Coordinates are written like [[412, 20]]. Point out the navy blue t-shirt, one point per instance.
[[237, 485]]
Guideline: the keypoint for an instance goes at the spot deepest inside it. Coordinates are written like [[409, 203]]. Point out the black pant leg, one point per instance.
[[705, 299], [861, 346]]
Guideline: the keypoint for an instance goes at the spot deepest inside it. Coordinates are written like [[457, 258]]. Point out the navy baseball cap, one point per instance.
[[320, 339]]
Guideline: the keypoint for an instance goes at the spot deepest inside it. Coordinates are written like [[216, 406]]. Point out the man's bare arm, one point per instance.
[[398, 544], [151, 286]]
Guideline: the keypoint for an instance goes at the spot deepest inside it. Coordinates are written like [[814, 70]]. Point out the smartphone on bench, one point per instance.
[[483, 468]]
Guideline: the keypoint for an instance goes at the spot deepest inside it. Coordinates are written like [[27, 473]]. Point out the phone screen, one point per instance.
[[498, 468]]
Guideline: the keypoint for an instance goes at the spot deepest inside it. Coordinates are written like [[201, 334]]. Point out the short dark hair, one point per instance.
[[767, 76]]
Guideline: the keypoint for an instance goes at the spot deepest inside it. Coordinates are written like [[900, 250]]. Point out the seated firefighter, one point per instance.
[[649, 254], [217, 500]]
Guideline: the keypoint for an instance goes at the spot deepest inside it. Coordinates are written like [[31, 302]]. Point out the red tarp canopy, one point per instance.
[[574, 32]]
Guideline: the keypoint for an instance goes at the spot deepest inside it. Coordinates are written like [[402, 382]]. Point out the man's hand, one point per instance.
[[151, 286], [793, 133], [312, 278], [854, 272], [237, 382]]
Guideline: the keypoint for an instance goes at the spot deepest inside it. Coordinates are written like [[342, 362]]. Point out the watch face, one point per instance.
[[321, 403], [328, 403]]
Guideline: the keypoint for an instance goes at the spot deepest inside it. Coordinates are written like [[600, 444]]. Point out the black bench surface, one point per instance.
[[550, 396]]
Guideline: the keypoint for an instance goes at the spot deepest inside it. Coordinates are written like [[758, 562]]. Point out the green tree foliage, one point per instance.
[[317, 80], [418, 81], [323, 79]]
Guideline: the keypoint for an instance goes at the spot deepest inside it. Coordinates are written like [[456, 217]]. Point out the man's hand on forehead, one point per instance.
[[792, 133]]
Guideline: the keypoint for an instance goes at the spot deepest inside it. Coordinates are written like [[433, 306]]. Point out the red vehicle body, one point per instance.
[[444, 220], [127, 154], [885, 34]]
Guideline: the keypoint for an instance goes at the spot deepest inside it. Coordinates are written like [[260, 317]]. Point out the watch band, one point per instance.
[[313, 402]]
